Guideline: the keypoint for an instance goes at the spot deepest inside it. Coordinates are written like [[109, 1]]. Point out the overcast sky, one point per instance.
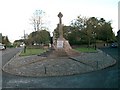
[[15, 14]]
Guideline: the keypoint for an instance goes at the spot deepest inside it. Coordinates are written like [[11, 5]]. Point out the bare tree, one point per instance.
[[37, 19]]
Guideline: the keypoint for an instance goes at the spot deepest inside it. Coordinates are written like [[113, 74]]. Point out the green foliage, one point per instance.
[[32, 51], [74, 37], [66, 32], [86, 49], [5, 40], [87, 30], [39, 37], [17, 43], [106, 33]]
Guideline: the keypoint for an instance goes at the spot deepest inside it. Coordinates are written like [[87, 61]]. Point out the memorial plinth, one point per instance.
[[62, 46]]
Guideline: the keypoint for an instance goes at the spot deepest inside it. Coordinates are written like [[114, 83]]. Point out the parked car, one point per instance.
[[114, 45], [2, 47]]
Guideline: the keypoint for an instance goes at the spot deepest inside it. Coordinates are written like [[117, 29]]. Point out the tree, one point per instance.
[[18, 42], [85, 27], [74, 37], [5, 40], [37, 20], [90, 28], [79, 23], [39, 37], [105, 32], [66, 31], [43, 37]]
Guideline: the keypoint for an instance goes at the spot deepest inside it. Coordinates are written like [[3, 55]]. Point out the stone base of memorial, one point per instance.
[[62, 48]]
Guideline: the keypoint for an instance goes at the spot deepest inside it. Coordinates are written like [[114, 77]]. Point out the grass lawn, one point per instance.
[[86, 49], [32, 52]]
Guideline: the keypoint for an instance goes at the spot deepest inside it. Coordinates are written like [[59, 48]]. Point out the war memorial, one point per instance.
[[60, 60]]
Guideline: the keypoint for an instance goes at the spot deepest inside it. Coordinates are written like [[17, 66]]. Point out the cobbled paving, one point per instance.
[[43, 66]]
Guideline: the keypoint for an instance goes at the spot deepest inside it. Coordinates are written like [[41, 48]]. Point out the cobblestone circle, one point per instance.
[[42, 66]]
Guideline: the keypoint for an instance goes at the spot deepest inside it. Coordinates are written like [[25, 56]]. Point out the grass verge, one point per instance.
[[31, 51], [86, 49]]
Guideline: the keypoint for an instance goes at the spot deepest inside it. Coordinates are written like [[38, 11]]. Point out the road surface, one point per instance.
[[8, 54], [107, 78]]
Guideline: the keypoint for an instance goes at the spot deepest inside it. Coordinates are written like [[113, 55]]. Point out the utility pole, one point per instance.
[[24, 43]]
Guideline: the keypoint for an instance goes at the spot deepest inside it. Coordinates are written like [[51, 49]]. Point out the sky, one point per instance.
[[15, 15]]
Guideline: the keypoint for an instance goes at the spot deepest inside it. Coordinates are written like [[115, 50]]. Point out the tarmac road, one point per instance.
[[107, 78], [8, 54]]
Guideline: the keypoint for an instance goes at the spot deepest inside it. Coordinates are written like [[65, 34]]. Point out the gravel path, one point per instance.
[[43, 66]]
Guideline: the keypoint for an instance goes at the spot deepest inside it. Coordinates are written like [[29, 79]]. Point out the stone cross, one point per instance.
[[60, 25], [60, 17]]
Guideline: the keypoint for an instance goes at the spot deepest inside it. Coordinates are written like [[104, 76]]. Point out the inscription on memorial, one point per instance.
[[59, 44]]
